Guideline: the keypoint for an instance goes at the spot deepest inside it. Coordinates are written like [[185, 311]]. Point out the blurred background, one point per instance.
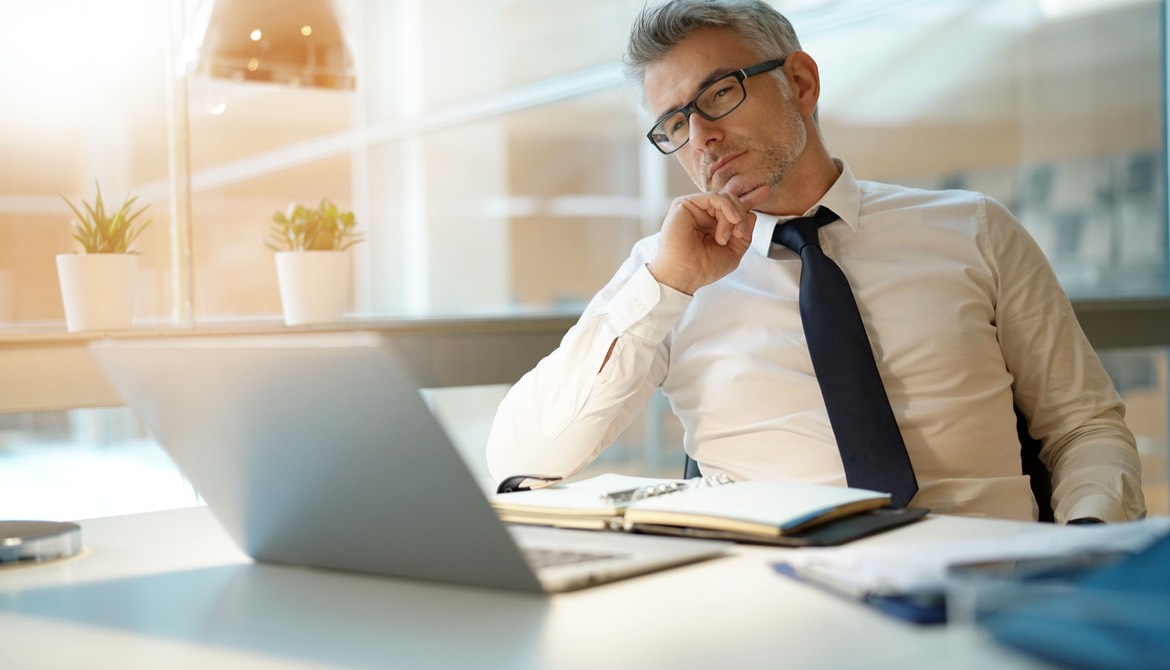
[[497, 164]]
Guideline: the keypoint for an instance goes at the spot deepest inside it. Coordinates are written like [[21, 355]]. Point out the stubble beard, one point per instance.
[[774, 161]]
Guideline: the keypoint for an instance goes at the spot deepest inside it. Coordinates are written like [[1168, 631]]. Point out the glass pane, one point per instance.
[[472, 48], [80, 464], [1142, 378], [1054, 109], [455, 120], [235, 272], [496, 161], [80, 106]]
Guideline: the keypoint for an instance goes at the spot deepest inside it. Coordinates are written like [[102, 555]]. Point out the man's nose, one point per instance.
[[703, 131]]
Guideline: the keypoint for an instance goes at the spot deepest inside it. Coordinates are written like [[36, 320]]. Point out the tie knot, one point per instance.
[[796, 234]]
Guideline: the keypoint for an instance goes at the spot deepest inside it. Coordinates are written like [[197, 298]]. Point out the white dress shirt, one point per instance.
[[965, 317]]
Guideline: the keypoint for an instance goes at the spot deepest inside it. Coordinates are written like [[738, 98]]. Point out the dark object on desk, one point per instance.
[[517, 483], [1115, 617], [830, 533], [36, 541]]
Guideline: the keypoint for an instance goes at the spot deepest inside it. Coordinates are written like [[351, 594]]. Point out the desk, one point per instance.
[[170, 590]]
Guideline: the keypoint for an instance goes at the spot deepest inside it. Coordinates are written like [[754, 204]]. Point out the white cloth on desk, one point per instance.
[[965, 316], [920, 567]]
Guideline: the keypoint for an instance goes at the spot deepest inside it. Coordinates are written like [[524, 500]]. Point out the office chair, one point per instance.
[[1038, 475]]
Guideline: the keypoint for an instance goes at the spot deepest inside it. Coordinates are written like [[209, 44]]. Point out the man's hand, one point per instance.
[[704, 237]]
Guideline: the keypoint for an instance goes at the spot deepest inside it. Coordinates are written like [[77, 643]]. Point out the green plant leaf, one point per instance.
[[99, 232], [304, 229]]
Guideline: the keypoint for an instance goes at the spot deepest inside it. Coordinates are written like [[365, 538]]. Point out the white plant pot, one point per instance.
[[98, 290], [314, 285]]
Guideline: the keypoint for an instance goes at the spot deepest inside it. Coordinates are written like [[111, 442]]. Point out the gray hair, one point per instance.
[[659, 28]]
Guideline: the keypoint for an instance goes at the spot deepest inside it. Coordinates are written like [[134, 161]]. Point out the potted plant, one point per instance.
[[312, 263], [97, 285]]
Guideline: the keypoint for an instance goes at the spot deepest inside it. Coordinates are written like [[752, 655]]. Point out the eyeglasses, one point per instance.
[[715, 101]]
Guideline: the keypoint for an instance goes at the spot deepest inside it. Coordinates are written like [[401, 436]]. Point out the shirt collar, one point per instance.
[[843, 197]]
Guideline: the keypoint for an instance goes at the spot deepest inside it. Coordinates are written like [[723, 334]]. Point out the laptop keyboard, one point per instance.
[[540, 557]]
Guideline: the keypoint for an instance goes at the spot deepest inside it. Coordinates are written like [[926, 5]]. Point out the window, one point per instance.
[[497, 162]]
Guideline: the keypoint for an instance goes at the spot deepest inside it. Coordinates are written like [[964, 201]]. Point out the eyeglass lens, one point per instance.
[[714, 102]]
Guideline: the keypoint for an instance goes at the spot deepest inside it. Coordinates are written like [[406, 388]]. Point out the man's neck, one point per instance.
[[806, 182]]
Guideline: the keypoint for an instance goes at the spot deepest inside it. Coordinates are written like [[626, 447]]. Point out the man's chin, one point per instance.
[[737, 184], [739, 187]]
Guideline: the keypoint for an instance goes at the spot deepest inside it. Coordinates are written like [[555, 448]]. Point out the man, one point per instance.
[[963, 313]]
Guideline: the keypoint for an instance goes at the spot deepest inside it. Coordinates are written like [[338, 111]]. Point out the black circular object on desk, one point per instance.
[[36, 541]]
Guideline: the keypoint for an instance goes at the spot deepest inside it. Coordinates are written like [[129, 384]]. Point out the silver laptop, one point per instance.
[[317, 450]]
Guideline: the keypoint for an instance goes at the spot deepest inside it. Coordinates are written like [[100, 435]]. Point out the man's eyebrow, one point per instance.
[[714, 76]]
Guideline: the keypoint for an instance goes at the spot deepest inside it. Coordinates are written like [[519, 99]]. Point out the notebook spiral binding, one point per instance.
[[654, 490]]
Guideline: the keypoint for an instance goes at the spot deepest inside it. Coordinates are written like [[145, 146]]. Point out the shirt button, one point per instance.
[[639, 305]]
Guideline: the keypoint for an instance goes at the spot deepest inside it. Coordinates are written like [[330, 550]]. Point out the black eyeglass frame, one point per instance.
[[692, 107]]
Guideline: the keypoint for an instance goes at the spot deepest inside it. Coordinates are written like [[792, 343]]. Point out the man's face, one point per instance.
[[754, 145]]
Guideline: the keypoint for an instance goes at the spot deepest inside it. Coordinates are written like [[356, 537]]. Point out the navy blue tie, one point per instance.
[[868, 438]]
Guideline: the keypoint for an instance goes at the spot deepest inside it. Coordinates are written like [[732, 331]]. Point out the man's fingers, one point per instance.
[[745, 218], [727, 214], [709, 216], [723, 215]]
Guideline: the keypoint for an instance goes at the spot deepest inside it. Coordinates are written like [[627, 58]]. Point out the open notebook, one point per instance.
[[316, 449], [759, 512]]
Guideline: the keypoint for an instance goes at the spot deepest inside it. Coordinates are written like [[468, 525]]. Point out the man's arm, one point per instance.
[[563, 413], [1060, 385], [575, 402]]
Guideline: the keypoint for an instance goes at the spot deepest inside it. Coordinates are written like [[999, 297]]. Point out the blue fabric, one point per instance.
[[1115, 618]]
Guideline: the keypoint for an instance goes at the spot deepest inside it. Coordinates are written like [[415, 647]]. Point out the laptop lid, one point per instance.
[[317, 449]]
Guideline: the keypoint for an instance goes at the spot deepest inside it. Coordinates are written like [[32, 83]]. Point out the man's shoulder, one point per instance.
[[896, 195], [947, 207]]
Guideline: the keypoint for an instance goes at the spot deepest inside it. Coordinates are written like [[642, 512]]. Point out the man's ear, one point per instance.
[[807, 81]]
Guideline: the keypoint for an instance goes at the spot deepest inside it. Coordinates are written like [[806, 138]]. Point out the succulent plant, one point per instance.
[[325, 228]]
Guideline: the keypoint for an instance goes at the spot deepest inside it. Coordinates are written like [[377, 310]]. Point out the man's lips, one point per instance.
[[720, 164]]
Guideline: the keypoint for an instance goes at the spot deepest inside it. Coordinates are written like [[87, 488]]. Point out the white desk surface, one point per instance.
[[170, 590]]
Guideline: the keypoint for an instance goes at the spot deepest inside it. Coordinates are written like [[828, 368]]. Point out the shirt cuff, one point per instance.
[[1096, 506], [646, 309]]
